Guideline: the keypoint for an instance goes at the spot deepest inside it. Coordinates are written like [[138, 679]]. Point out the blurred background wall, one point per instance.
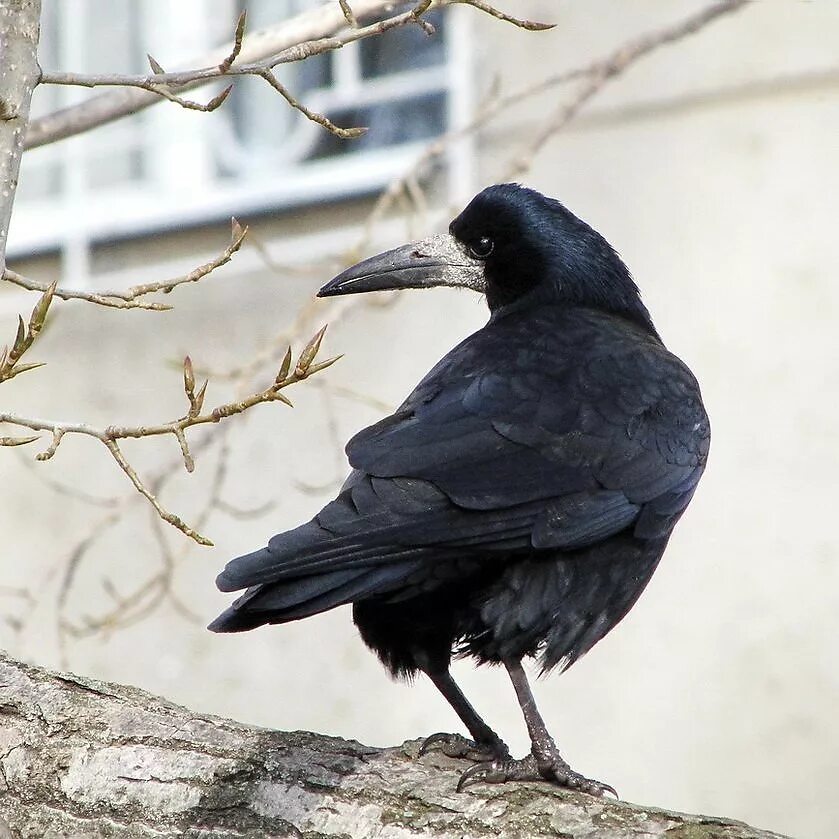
[[712, 165]]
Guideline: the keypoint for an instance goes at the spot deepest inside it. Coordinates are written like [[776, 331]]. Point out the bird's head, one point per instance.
[[512, 244]]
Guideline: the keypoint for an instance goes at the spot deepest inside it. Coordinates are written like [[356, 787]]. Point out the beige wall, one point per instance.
[[712, 167]]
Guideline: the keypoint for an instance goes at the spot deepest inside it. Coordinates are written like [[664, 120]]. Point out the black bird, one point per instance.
[[517, 503]]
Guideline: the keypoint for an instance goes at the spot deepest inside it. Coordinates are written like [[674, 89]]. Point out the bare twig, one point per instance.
[[170, 518], [315, 267], [242, 513], [190, 104], [349, 16], [65, 489], [418, 11], [21, 597], [239, 33], [238, 234], [339, 310], [531, 25], [161, 82], [132, 297], [70, 565], [306, 34], [320, 119], [73, 562], [356, 396], [157, 83], [53, 446], [306, 366], [89, 297], [158, 588], [17, 441]]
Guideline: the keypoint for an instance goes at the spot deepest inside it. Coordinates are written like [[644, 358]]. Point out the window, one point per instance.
[[167, 167]]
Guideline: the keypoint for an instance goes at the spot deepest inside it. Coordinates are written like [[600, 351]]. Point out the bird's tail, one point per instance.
[[309, 595]]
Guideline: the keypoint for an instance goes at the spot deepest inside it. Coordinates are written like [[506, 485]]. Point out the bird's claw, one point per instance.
[[531, 768], [574, 780], [457, 746], [490, 773]]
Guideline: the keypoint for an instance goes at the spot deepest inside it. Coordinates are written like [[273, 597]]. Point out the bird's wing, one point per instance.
[[577, 414], [511, 442]]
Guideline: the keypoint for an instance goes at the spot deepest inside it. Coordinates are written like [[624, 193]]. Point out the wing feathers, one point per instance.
[[577, 520]]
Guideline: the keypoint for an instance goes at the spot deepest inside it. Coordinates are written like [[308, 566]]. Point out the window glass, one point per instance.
[[380, 83], [390, 124], [407, 48]]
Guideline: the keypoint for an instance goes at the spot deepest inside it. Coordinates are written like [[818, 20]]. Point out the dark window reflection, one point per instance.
[[390, 124], [406, 48]]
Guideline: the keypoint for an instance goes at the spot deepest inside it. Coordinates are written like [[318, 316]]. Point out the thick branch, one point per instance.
[[19, 71], [81, 757]]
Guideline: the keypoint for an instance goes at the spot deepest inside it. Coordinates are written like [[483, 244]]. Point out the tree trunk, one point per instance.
[[20, 22], [83, 758]]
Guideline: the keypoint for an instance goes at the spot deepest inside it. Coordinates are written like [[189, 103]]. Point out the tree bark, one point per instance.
[[84, 758]]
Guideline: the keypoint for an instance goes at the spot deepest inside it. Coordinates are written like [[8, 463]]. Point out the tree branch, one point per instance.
[[132, 297], [82, 757], [311, 33], [109, 437], [530, 25], [349, 15], [320, 119]]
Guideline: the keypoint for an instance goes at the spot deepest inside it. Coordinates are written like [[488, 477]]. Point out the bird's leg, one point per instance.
[[544, 761], [485, 743]]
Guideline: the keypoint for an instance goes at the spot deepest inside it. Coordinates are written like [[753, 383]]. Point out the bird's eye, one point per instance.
[[482, 248]]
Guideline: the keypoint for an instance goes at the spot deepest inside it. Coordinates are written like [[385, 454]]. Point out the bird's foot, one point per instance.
[[457, 746], [532, 768]]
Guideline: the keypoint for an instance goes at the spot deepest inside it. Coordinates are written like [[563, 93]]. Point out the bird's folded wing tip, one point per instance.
[[224, 583], [218, 624]]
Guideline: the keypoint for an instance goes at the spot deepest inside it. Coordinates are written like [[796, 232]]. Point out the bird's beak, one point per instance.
[[438, 260]]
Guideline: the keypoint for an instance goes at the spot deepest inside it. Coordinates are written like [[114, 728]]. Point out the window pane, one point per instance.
[[390, 124], [405, 48]]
